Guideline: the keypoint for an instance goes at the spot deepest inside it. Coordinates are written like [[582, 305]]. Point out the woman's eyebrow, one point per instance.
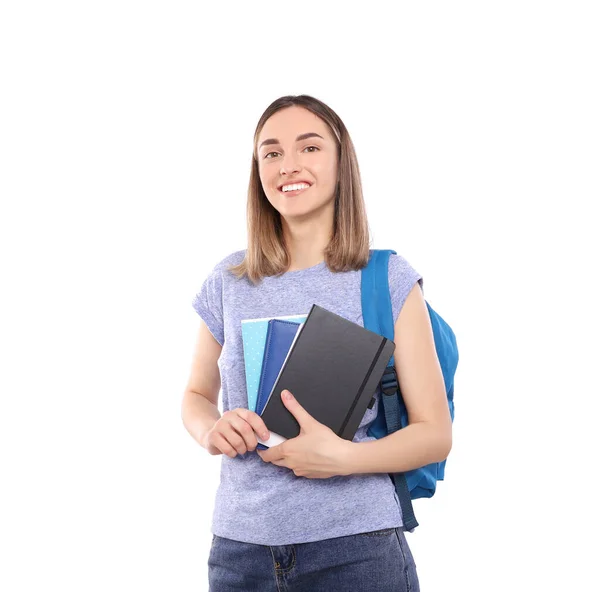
[[298, 139]]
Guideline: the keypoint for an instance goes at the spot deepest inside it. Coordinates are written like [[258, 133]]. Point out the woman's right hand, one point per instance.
[[235, 433]]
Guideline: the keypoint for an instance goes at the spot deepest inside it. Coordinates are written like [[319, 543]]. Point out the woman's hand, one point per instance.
[[316, 453], [235, 433]]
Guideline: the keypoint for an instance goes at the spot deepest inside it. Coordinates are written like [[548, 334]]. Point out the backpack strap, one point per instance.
[[378, 317]]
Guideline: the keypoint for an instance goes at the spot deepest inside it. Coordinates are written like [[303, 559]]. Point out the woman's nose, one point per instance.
[[289, 164]]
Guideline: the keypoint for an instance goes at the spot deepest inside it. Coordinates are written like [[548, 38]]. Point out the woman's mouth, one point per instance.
[[294, 189]]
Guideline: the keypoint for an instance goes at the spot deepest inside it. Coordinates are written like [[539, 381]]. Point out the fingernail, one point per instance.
[[265, 436], [287, 395]]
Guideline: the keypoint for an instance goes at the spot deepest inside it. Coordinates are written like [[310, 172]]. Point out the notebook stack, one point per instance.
[[331, 365]]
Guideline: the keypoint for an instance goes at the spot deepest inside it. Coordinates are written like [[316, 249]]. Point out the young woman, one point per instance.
[[316, 512]]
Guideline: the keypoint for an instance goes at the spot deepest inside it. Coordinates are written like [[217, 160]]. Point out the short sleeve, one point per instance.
[[402, 278], [208, 303]]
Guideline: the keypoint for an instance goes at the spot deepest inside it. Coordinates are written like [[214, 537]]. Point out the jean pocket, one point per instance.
[[382, 532], [410, 567]]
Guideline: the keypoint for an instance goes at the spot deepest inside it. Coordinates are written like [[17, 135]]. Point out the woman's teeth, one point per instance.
[[294, 187]]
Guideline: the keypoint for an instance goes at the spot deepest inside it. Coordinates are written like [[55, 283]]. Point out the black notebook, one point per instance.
[[333, 368]]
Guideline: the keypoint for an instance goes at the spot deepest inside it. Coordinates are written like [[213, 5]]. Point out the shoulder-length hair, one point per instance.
[[348, 249]]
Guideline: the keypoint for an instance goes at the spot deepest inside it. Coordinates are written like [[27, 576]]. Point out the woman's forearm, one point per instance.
[[414, 446], [199, 415]]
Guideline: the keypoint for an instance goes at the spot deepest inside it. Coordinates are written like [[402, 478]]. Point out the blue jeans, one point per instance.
[[378, 561]]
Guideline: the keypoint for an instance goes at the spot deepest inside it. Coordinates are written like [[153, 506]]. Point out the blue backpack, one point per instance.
[[392, 414]]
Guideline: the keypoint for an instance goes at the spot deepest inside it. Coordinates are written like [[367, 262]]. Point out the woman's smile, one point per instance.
[[295, 191]]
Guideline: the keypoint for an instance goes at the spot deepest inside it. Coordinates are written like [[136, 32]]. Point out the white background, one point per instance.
[[125, 149]]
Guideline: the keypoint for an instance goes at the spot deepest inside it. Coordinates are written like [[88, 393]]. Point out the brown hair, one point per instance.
[[349, 246]]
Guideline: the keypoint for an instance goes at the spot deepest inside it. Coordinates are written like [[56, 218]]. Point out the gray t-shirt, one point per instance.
[[262, 503]]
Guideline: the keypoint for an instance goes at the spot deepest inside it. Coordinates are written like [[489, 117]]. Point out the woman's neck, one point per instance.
[[307, 241]]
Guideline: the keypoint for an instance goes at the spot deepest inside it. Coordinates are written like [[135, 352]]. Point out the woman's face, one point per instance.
[[288, 157]]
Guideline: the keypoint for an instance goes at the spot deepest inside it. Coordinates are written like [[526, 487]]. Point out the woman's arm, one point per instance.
[[199, 407], [428, 437]]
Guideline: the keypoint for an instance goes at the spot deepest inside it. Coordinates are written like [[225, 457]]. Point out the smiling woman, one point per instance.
[[301, 140], [276, 512], [303, 166]]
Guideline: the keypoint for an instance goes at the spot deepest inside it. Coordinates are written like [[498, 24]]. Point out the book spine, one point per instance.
[[362, 386], [261, 383]]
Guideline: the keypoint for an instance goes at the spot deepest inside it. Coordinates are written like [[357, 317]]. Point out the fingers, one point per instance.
[[224, 439], [235, 432], [256, 421], [221, 443], [243, 433]]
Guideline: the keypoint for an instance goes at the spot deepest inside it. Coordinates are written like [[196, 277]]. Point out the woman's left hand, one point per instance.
[[316, 453]]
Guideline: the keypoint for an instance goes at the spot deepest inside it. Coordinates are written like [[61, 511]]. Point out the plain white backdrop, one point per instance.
[[125, 150]]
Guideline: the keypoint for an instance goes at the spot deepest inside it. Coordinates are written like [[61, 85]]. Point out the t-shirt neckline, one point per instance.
[[306, 269]]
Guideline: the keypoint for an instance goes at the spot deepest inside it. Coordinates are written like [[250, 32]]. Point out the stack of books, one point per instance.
[[331, 365], [254, 336]]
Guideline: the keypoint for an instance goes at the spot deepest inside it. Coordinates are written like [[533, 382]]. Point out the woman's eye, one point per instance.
[[267, 155]]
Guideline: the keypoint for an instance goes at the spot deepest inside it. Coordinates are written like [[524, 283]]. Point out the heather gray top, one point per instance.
[[256, 501]]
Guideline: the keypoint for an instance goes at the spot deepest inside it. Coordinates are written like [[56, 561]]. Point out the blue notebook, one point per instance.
[[280, 337], [254, 337]]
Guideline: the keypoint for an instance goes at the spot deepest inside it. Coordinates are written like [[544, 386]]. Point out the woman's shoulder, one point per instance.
[[402, 278], [399, 265], [234, 258]]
